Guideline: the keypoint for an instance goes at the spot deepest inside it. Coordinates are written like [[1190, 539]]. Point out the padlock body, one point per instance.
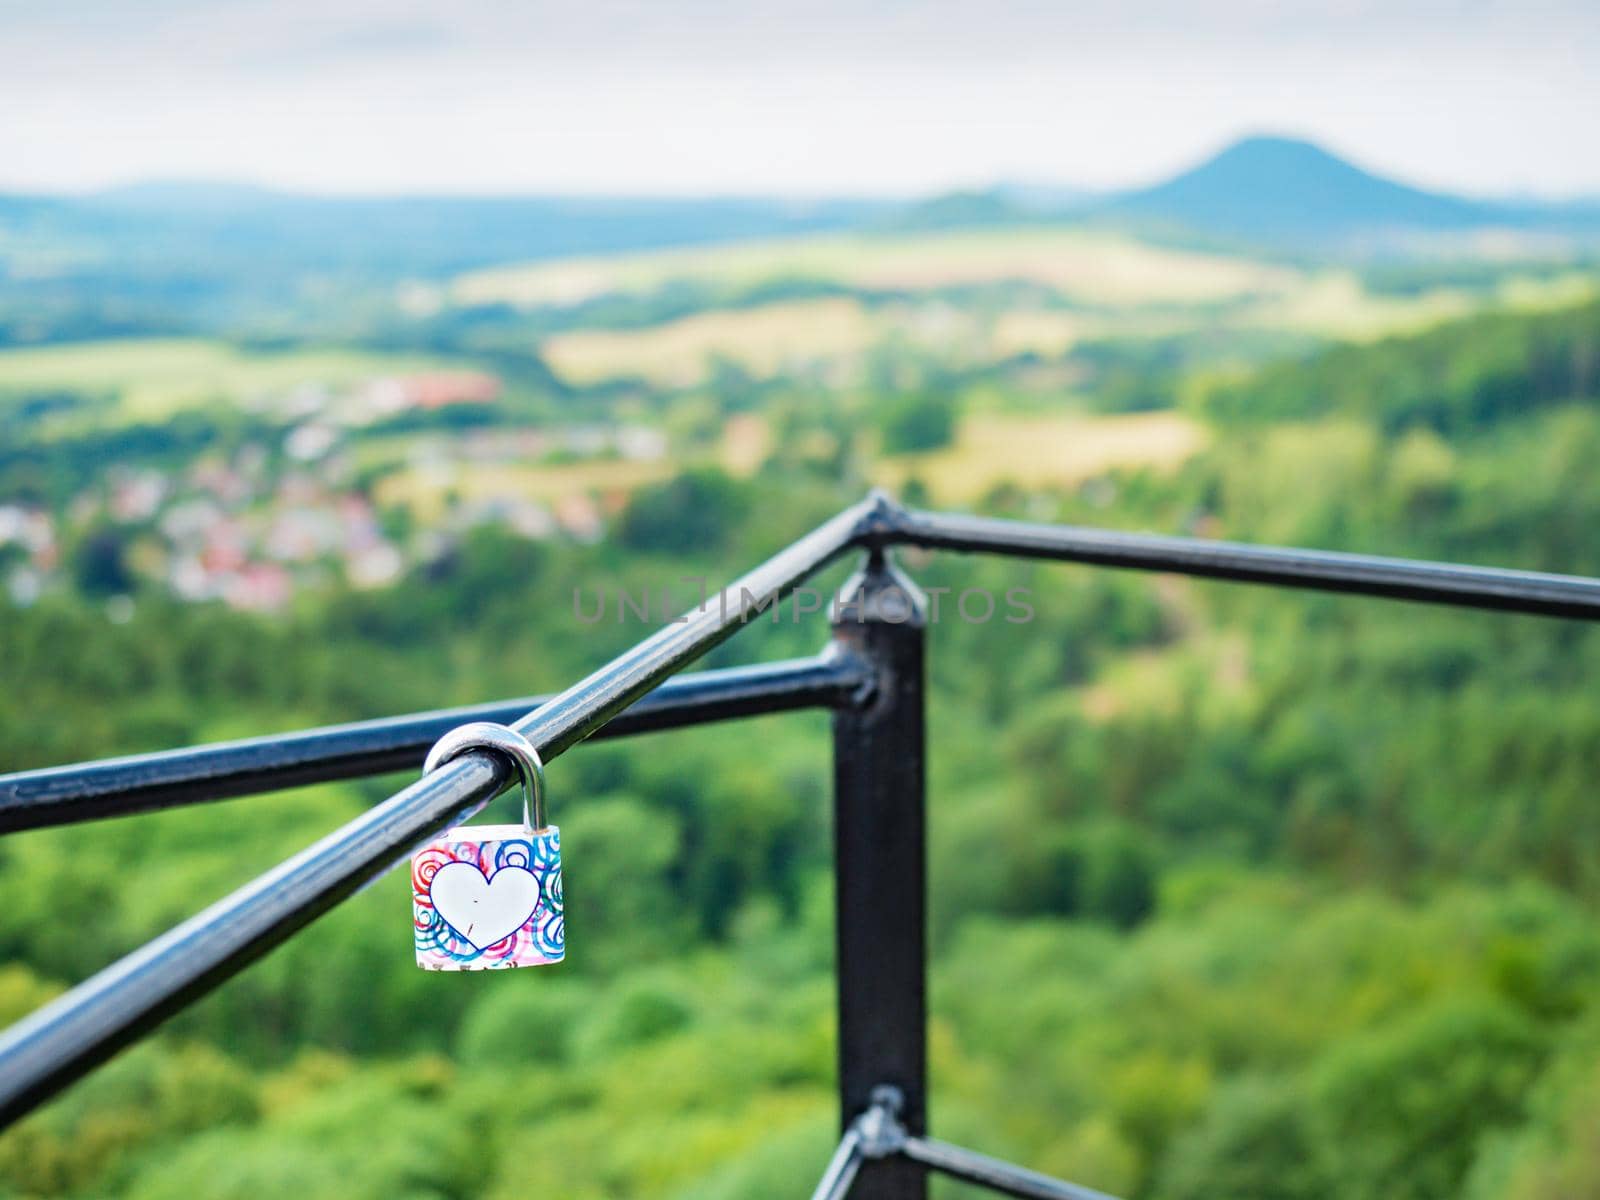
[[486, 897]]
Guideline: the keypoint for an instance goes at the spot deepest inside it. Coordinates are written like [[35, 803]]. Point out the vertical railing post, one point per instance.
[[880, 865]]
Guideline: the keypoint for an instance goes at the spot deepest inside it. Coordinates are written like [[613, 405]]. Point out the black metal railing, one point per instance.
[[870, 676]]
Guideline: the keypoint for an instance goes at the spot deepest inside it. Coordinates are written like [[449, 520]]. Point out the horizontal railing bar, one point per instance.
[[117, 787], [993, 1173], [45, 1051], [1396, 578]]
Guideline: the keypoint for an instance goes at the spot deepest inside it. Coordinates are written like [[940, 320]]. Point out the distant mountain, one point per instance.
[[1277, 192], [1276, 188], [1285, 191]]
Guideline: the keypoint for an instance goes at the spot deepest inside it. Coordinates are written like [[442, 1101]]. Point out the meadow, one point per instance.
[[992, 450], [153, 379], [765, 340], [962, 298], [1096, 268]]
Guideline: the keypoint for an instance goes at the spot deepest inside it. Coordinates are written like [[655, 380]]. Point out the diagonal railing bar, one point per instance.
[[842, 1168], [117, 787], [48, 1049], [993, 1173]]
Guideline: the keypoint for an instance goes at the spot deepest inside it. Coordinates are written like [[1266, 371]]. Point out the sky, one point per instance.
[[799, 98]]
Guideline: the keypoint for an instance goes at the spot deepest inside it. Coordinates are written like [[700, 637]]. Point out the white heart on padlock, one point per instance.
[[484, 911]]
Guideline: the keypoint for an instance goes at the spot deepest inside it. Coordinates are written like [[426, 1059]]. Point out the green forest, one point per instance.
[[1235, 892]]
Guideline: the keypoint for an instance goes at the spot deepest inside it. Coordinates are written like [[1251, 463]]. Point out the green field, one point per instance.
[[1094, 286], [766, 340], [1092, 268], [1045, 453]]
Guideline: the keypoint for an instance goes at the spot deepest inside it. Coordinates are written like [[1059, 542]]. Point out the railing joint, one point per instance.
[[879, 1127], [851, 663], [882, 522]]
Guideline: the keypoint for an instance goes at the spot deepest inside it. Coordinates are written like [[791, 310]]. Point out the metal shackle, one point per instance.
[[486, 735]]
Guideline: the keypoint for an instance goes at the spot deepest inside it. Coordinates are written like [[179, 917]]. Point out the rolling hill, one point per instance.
[[177, 258], [1278, 192]]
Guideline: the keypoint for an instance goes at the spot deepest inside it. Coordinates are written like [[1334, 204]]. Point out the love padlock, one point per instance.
[[489, 896]]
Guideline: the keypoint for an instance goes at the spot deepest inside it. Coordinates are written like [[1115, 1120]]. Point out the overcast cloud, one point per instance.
[[808, 98]]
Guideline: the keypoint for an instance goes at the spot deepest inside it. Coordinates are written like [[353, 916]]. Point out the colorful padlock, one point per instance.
[[489, 896]]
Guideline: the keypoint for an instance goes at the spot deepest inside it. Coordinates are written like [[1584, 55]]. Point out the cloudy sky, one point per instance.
[[786, 96]]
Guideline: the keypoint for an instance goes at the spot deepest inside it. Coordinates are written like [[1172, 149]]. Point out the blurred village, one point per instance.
[[254, 527]]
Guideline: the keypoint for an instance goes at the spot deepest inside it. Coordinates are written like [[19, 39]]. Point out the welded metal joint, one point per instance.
[[861, 679], [879, 1127]]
